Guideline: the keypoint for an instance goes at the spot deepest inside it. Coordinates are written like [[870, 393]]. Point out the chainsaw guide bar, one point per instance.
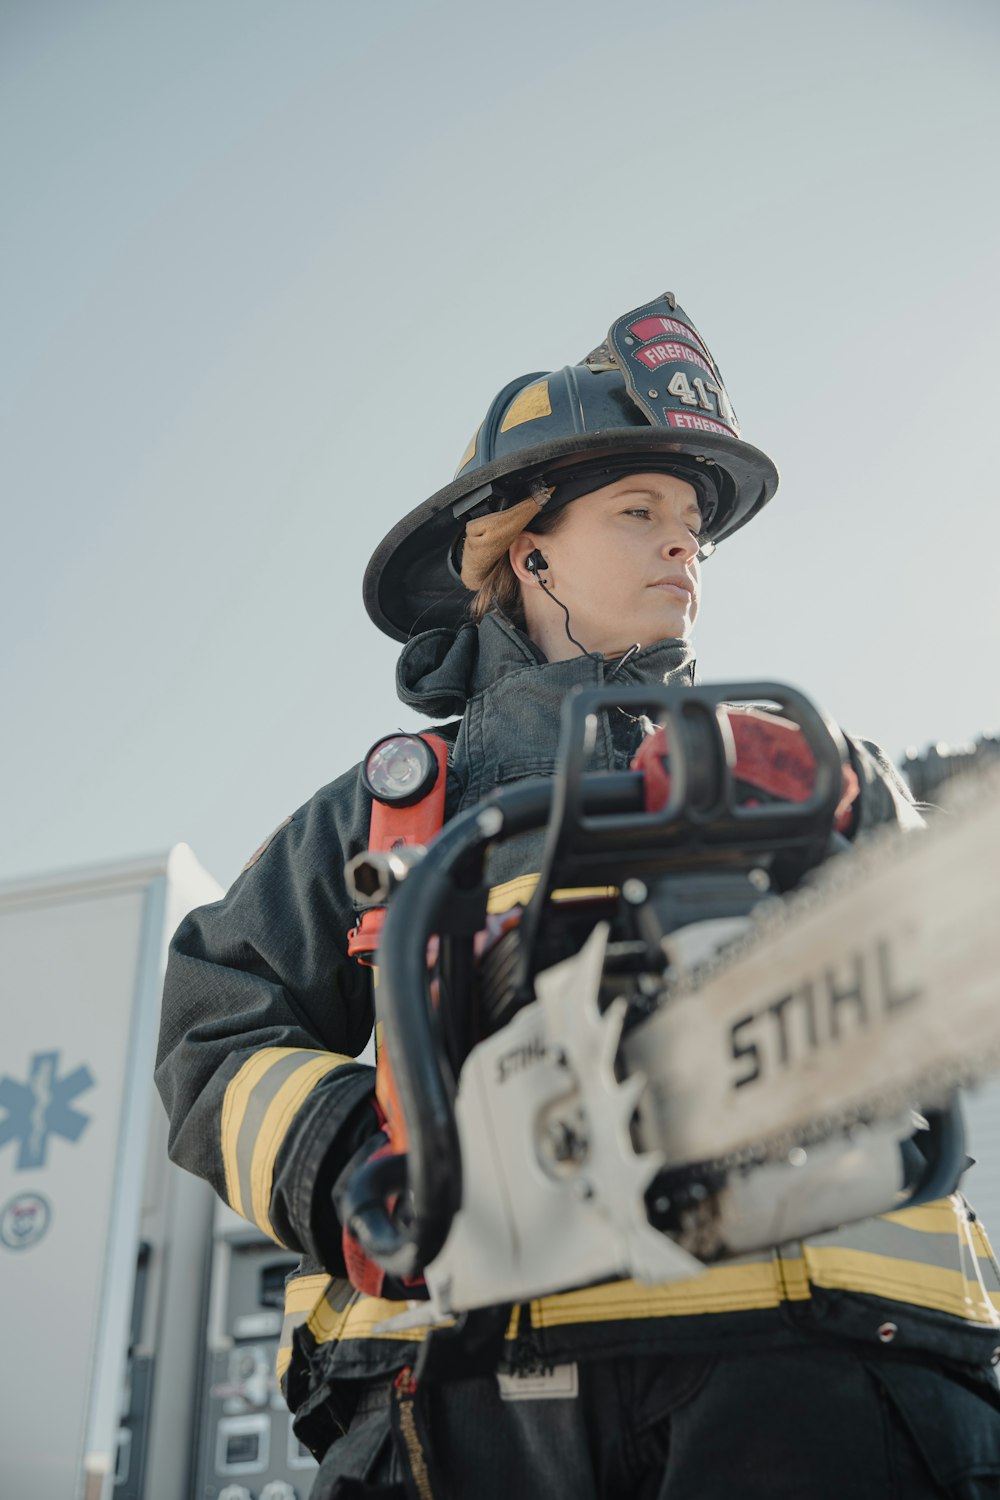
[[872, 988]]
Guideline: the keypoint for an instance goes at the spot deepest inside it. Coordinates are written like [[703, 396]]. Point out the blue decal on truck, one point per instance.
[[42, 1107]]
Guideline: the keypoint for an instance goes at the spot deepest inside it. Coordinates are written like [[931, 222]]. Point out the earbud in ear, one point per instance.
[[534, 561]]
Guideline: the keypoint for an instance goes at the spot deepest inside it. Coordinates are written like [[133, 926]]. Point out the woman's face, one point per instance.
[[623, 562]]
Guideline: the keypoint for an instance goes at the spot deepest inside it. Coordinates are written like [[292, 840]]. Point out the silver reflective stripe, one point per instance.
[[898, 1242], [260, 1105], [301, 1295], [259, 1102], [937, 1256]]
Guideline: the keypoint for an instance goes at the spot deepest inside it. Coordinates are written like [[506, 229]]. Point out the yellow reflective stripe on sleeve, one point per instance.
[[274, 1128], [519, 890], [259, 1105], [301, 1295], [722, 1289], [234, 1104]]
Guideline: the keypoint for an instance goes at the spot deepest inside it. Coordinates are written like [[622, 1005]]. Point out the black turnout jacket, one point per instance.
[[264, 1016]]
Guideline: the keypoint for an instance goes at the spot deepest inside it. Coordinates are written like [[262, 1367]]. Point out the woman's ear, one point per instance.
[[520, 549]]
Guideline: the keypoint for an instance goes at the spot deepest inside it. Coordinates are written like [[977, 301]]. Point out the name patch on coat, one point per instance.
[[559, 1383]]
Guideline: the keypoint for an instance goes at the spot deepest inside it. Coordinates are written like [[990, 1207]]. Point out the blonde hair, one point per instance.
[[498, 594], [500, 591]]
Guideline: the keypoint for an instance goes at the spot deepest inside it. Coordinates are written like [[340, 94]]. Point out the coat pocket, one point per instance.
[[954, 1425], [361, 1465]]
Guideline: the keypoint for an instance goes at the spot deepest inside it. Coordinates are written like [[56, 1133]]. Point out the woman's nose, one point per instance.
[[679, 543]]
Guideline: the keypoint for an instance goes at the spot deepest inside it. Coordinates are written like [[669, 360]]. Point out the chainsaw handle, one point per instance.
[[364, 1203], [703, 804]]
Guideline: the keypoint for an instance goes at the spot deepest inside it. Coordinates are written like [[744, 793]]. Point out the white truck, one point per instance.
[[103, 1244]]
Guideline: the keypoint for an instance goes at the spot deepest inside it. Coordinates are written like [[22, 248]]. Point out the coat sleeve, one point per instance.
[[263, 1016]]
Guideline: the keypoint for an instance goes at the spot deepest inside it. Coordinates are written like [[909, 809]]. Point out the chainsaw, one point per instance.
[[714, 1026]]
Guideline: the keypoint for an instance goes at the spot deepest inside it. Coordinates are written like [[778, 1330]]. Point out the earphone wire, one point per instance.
[[570, 636]]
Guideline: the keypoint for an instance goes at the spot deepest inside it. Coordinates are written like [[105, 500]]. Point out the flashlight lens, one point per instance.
[[400, 769]]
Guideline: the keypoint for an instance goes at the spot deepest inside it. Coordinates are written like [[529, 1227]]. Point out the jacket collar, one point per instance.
[[441, 671]]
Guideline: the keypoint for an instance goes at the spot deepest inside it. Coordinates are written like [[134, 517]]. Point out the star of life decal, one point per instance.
[[42, 1107]]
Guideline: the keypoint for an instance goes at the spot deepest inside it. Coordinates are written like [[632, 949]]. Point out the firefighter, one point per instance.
[[567, 551]]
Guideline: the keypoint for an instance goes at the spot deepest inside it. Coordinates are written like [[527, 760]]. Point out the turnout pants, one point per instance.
[[818, 1424]]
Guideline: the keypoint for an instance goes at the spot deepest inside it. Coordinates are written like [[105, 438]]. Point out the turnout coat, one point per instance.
[[264, 1016]]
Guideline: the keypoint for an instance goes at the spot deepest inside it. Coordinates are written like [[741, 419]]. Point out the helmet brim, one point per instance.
[[409, 585]]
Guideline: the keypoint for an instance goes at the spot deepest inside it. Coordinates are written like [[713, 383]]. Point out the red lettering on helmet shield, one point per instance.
[[655, 355], [655, 328], [697, 424]]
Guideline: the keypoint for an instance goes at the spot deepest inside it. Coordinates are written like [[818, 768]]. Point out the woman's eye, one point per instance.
[[637, 510]]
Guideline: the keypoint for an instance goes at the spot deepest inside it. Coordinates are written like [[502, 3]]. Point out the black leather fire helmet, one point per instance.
[[650, 398]]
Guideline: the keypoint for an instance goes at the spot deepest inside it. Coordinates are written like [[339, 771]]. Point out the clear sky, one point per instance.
[[266, 265]]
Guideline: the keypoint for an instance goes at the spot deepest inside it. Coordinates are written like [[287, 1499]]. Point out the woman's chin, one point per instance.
[[663, 625]]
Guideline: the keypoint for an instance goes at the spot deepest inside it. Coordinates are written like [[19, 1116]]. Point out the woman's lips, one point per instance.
[[679, 587]]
